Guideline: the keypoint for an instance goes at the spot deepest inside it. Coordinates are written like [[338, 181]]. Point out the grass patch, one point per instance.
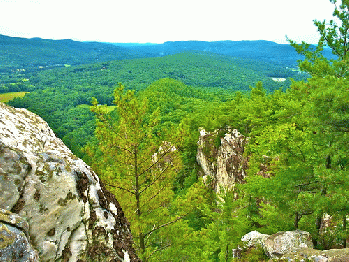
[[5, 97], [108, 108]]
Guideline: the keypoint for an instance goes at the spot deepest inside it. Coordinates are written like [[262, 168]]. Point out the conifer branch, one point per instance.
[[158, 249], [164, 225], [157, 193], [119, 187], [156, 162], [154, 181]]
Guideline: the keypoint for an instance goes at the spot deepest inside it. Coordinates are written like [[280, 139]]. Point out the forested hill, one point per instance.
[[36, 53], [266, 51]]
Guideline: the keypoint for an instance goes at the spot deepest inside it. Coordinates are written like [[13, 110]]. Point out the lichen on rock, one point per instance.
[[70, 214], [14, 239], [291, 246]]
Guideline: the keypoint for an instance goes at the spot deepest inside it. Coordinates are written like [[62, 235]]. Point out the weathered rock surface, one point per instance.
[[220, 155], [333, 255], [292, 246], [254, 238], [14, 243], [280, 243], [70, 215]]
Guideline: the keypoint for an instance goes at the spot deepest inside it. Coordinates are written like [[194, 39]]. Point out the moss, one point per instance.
[[68, 168], [102, 200], [4, 215], [51, 232], [17, 181], [63, 202], [37, 195], [99, 252], [254, 254], [93, 219], [7, 238], [42, 208], [17, 168], [81, 185], [66, 253], [42, 175]]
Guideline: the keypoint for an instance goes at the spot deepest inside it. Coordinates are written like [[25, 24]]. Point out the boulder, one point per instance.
[[254, 239], [279, 244], [332, 255], [283, 242], [70, 214]]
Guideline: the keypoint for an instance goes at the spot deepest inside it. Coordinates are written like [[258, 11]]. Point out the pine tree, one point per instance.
[[306, 149], [334, 35], [138, 165]]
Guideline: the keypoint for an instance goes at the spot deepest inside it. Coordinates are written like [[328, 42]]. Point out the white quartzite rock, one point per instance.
[[70, 214], [254, 238], [222, 162], [290, 246], [280, 243]]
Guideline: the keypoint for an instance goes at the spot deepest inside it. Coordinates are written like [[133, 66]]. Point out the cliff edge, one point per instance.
[[58, 205]]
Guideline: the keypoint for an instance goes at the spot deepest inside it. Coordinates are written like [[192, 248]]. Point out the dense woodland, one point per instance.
[[141, 136]]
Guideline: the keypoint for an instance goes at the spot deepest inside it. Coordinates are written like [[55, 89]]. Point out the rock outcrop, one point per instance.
[[220, 155], [254, 238], [280, 243], [292, 246], [276, 245], [70, 216], [306, 254]]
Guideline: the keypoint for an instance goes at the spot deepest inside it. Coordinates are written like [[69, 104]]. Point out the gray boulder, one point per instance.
[[71, 216], [279, 244], [254, 239], [14, 239], [283, 242], [309, 254]]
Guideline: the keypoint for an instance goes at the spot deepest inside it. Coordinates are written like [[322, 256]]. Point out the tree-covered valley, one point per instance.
[[135, 114]]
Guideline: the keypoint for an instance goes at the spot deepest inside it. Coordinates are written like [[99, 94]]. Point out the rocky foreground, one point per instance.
[[53, 207], [290, 246]]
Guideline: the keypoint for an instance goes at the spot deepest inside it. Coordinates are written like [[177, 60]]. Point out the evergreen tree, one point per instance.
[[304, 147], [334, 35], [136, 163]]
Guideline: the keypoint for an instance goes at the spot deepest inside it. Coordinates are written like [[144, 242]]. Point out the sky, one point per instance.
[[157, 21]]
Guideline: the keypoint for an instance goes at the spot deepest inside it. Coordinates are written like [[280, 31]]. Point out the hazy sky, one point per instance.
[[157, 21]]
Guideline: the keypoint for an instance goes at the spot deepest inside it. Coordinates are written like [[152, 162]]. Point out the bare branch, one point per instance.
[[164, 225], [155, 163], [158, 249], [156, 179], [119, 187], [157, 193]]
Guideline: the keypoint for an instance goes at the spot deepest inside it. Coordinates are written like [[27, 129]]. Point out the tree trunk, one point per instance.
[[345, 229], [296, 220], [138, 202], [142, 245]]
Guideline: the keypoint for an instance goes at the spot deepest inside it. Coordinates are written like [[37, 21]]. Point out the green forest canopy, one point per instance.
[[298, 130]]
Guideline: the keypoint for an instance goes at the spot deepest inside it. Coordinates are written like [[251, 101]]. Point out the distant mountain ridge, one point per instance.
[[262, 50], [34, 53]]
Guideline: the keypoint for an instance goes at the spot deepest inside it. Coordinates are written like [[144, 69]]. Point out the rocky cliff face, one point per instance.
[[220, 155], [63, 209]]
